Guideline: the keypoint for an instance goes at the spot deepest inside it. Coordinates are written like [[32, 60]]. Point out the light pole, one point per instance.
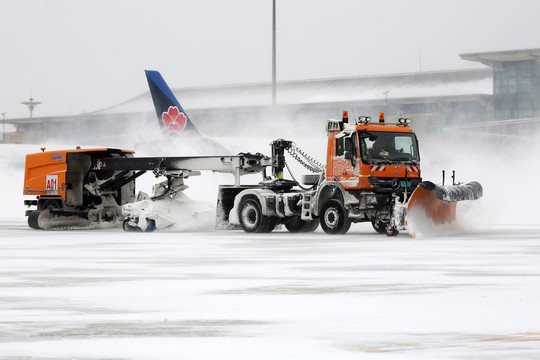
[[273, 53], [31, 105], [386, 96]]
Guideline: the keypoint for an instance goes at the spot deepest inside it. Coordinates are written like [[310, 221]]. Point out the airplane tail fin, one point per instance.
[[171, 116]]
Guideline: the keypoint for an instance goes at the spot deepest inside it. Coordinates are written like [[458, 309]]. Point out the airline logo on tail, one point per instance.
[[174, 120], [171, 116]]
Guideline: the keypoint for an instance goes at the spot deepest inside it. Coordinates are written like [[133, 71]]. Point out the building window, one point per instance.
[[515, 88]]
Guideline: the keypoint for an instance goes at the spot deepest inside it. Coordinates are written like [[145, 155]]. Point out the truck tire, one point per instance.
[[334, 217], [296, 225], [391, 230], [33, 219], [251, 217], [127, 227], [379, 226], [272, 222]]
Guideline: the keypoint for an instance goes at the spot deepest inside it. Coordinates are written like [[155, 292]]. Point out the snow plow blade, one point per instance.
[[439, 202]]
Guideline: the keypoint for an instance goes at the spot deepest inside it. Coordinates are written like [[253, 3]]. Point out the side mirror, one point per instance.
[[348, 145], [349, 154]]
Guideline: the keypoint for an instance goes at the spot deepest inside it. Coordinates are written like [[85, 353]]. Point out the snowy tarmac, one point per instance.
[[108, 294], [470, 292]]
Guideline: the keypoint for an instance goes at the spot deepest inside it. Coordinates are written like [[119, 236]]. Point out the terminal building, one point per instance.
[[499, 101]]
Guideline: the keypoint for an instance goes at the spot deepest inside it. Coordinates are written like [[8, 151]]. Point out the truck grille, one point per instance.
[[386, 185]]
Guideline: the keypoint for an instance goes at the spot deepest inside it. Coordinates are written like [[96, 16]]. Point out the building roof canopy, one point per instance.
[[494, 57]]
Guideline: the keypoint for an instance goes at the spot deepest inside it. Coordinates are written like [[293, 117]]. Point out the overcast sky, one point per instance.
[[80, 56]]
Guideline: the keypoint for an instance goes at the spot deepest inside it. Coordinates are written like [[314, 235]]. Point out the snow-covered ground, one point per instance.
[[107, 294], [470, 291]]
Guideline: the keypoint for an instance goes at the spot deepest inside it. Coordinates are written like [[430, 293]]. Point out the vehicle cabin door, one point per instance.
[[344, 162]]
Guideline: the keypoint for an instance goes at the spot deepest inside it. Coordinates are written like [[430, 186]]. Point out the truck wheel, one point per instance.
[[334, 217], [272, 222], [379, 226], [296, 225], [127, 227], [252, 219], [33, 219], [391, 230]]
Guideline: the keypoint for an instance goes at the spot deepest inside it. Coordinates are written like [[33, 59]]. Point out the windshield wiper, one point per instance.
[[381, 160], [406, 159]]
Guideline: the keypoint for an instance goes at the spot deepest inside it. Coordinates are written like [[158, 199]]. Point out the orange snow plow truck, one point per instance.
[[372, 173]]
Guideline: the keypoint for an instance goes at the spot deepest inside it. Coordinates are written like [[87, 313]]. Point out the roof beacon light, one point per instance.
[[345, 116], [381, 118], [43, 148]]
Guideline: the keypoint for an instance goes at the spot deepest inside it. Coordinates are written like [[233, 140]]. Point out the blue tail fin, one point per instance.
[[171, 116]]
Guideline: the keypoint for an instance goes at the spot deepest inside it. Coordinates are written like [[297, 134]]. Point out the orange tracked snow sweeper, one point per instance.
[[372, 173]]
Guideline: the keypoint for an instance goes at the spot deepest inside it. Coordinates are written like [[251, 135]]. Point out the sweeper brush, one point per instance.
[[439, 201]]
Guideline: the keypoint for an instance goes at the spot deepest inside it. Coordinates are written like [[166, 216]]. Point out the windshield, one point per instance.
[[381, 146]]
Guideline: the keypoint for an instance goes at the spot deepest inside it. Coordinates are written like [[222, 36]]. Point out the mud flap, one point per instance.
[[439, 202]]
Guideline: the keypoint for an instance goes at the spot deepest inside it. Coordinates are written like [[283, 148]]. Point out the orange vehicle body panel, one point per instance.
[[45, 172], [440, 211], [340, 170]]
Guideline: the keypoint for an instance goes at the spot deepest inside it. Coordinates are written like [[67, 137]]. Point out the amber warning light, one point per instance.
[[381, 117], [345, 116]]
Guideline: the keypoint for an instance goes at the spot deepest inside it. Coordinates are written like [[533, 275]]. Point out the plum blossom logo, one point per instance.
[[173, 119]]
